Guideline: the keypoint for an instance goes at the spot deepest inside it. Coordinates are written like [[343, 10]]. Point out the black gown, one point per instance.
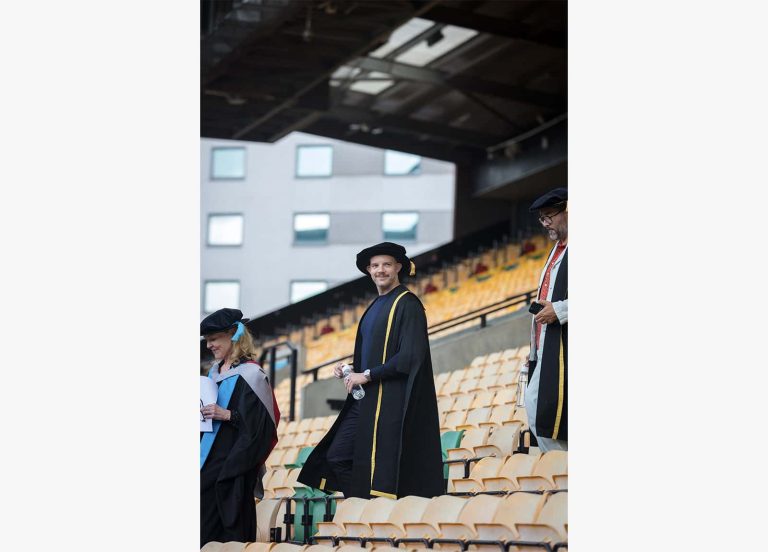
[[397, 444], [233, 467]]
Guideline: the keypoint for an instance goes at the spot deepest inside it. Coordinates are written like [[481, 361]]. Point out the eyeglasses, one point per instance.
[[548, 218]]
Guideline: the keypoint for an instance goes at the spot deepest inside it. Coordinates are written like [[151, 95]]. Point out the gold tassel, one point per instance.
[[413, 269]]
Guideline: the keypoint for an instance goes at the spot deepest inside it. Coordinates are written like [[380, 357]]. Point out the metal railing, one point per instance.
[[271, 352]]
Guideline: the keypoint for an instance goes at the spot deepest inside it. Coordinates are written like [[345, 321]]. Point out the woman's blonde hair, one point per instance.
[[243, 347]]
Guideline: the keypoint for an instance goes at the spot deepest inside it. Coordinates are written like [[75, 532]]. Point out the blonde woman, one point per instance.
[[245, 418]]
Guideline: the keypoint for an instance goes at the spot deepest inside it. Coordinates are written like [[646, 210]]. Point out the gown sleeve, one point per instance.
[[256, 437]]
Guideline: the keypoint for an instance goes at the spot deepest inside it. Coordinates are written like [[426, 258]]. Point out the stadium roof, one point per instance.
[[452, 80]]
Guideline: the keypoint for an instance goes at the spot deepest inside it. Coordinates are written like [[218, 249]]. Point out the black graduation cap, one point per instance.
[[221, 320], [553, 197], [386, 248]]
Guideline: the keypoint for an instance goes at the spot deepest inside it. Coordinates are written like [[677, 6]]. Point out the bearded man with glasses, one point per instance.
[[546, 397]]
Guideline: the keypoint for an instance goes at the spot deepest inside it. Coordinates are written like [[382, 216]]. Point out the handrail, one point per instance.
[[272, 350]]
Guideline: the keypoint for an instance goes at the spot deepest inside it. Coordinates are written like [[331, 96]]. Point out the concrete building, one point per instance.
[[282, 221]]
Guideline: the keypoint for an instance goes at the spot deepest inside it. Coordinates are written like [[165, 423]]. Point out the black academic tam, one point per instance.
[[397, 445]]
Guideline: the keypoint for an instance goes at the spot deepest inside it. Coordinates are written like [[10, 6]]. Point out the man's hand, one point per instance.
[[547, 314], [354, 379], [216, 412], [337, 373]]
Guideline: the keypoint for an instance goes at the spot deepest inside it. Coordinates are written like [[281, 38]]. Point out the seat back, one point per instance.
[[551, 463], [377, 509], [474, 437], [518, 464], [479, 509], [443, 508], [487, 467], [409, 509], [555, 512], [519, 508], [349, 510]]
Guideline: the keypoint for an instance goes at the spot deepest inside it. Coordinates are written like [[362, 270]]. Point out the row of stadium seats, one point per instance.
[[495, 372], [517, 516]]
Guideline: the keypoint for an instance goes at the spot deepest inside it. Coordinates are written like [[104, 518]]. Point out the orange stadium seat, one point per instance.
[[517, 465]]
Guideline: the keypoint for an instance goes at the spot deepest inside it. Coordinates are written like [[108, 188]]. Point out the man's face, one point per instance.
[[554, 219], [384, 270], [220, 344]]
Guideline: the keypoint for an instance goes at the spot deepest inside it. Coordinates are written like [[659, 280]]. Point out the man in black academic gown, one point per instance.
[[546, 397], [388, 443]]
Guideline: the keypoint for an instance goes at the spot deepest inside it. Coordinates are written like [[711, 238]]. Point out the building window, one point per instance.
[[228, 163], [399, 226], [311, 227], [314, 161], [225, 229], [397, 163], [306, 288], [221, 294]]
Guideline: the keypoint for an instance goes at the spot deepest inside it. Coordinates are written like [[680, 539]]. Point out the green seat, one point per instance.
[[317, 509], [302, 457], [449, 440]]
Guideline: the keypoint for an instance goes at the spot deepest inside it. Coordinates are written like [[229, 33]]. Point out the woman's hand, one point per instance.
[[216, 412]]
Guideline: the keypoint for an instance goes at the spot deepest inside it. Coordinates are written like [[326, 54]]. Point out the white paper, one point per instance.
[[208, 393]]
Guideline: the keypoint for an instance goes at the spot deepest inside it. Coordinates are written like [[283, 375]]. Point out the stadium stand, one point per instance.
[[499, 492]]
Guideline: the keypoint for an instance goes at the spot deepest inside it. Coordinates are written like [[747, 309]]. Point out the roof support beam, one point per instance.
[[494, 26], [412, 126], [459, 82]]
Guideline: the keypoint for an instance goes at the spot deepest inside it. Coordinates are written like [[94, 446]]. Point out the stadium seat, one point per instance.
[[550, 524], [502, 442], [505, 395], [301, 458], [450, 387], [453, 420], [315, 437], [215, 546], [487, 467], [488, 382], [500, 415], [479, 509], [259, 547], [275, 458], [449, 440], [483, 398], [561, 481], [478, 361], [507, 379], [444, 508], [515, 508], [277, 480], [471, 438], [266, 517], [289, 485], [319, 548], [444, 403], [376, 511], [347, 510], [554, 462], [516, 466], [463, 401], [287, 547], [475, 417], [409, 509]]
